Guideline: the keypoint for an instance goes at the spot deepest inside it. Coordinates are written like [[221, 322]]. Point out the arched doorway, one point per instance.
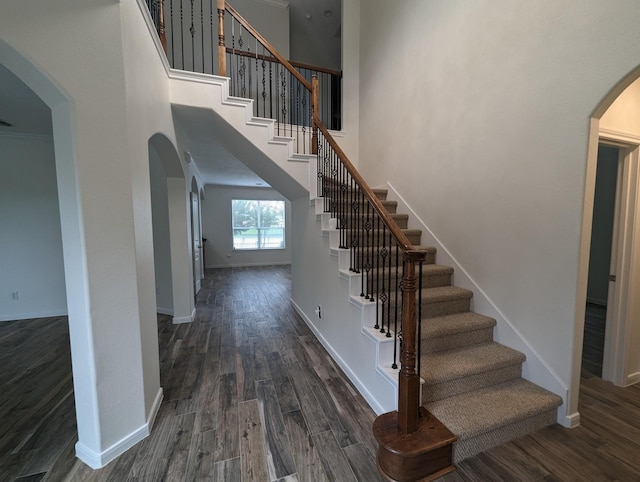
[[171, 231], [615, 122]]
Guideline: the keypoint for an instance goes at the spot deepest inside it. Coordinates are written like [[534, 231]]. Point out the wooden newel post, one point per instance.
[[314, 107], [222, 53], [408, 379], [412, 443], [161, 27]]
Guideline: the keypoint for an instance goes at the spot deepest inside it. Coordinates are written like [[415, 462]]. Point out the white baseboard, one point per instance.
[[153, 413], [571, 420], [164, 311], [248, 265], [368, 396], [184, 319], [33, 314], [97, 460], [632, 379]]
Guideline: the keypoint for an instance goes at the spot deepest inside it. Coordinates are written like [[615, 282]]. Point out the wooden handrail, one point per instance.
[[268, 46], [393, 227]]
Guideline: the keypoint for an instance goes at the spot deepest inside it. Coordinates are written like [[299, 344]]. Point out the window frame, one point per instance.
[[260, 229]]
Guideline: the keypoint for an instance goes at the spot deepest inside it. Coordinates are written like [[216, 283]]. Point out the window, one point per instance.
[[257, 224]]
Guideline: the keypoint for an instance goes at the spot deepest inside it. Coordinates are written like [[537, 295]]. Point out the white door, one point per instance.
[[197, 243], [621, 305]]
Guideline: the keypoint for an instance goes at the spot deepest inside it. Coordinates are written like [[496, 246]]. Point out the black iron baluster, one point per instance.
[[172, 29], [264, 84], [363, 251], [192, 30], [382, 295], [419, 321], [283, 93], [213, 43], [233, 70], [353, 227], [242, 71], [182, 33], [202, 33], [395, 319]]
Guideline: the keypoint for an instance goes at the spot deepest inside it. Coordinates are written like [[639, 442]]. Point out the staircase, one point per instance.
[[472, 384]]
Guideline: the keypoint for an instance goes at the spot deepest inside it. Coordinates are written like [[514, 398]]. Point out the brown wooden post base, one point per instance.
[[423, 455]]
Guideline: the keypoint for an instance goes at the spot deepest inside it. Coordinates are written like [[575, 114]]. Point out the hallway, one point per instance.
[[249, 394]]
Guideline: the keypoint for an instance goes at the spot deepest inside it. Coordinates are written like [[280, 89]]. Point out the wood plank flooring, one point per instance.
[[251, 395], [593, 345]]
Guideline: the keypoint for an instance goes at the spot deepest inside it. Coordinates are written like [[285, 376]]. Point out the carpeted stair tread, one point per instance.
[[457, 323], [484, 410], [445, 293], [450, 365], [380, 193], [427, 270]]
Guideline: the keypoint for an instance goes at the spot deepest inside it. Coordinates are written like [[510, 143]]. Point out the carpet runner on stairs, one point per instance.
[[471, 383]]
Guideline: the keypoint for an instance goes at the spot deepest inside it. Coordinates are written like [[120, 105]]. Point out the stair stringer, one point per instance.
[[251, 139], [534, 369]]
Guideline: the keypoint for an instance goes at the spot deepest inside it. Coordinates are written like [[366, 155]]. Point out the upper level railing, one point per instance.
[[389, 265], [190, 33]]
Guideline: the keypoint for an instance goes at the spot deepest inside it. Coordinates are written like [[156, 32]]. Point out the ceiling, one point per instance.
[[28, 114], [21, 107]]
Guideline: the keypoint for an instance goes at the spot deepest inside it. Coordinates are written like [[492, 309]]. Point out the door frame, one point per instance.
[[623, 258]]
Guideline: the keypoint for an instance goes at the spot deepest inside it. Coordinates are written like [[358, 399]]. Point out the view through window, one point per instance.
[[257, 224]]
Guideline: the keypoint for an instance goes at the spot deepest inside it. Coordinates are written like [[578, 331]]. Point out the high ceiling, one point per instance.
[[319, 20]]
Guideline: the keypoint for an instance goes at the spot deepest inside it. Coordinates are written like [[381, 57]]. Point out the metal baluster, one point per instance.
[[242, 71], [264, 85], [202, 33], [283, 93], [419, 321], [192, 30], [378, 273], [182, 34], [353, 227], [382, 296], [395, 320], [234, 78], [363, 220], [212, 35], [173, 54]]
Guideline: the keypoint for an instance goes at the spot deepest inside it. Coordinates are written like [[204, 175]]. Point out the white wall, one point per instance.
[[201, 55], [30, 239], [108, 95], [485, 123], [216, 227], [161, 235]]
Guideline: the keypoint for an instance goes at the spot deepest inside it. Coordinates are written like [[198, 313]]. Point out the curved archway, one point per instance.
[[617, 336], [75, 267], [173, 275]]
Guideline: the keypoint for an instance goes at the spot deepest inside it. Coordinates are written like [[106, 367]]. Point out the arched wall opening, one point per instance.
[[620, 347], [70, 226], [170, 231]]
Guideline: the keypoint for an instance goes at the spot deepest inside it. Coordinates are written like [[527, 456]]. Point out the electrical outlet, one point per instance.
[[14, 296], [319, 312]]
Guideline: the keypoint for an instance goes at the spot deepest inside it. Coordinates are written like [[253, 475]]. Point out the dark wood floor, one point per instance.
[[593, 345], [250, 395]]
